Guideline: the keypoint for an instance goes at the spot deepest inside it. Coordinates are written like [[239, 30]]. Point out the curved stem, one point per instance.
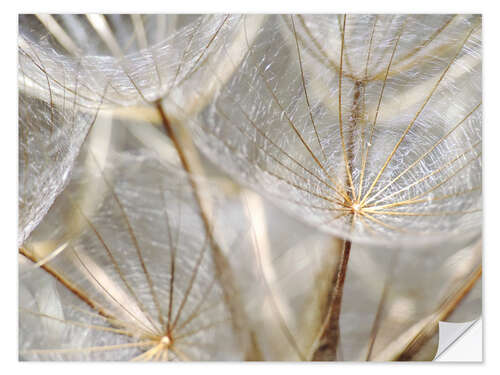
[[223, 269]]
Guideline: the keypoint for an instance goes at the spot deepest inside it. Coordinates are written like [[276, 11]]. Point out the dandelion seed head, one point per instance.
[[354, 134]]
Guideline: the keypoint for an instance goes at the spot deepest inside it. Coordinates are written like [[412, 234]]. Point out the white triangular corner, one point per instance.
[[460, 342]]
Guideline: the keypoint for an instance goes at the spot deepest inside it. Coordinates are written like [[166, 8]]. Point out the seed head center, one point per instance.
[[165, 340], [356, 208]]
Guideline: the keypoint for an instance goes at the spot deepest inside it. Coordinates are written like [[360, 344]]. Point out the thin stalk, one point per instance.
[[223, 269], [72, 288], [443, 312], [330, 332]]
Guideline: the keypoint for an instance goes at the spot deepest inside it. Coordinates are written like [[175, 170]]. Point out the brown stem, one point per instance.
[[223, 269], [356, 116], [445, 309], [329, 339], [331, 278], [73, 289], [330, 331]]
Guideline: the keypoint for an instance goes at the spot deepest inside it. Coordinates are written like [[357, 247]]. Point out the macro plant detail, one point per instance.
[[137, 274], [375, 149], [141, 135]]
